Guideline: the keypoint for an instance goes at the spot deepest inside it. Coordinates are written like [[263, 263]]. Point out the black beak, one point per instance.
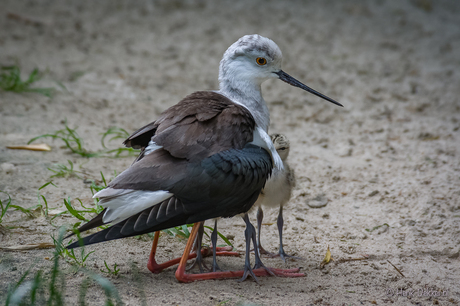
[[291, 81]]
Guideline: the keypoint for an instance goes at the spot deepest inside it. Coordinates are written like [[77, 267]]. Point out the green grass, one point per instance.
[[61, 170], [69, 255], [10, 80], [39, 209], [376, 227], [182, 232], [108, 270], [74, 142], [42, 289], [4, 206], [81, 213]]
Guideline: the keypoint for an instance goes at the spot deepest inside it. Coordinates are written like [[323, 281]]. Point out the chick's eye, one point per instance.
[[261, 61]]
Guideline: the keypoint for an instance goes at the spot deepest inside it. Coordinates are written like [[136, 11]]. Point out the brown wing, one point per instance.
[[202, 124]]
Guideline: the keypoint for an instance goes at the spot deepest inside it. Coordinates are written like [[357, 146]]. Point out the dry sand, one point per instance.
[[390, 156]]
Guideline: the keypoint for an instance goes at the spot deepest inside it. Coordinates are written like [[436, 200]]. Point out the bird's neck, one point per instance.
[[249, 95]]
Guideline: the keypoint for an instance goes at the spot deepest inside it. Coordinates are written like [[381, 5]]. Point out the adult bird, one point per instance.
[[276, 193], [206, 157]]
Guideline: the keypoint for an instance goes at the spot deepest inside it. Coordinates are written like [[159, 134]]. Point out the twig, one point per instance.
[[396, 268], [350, 259]]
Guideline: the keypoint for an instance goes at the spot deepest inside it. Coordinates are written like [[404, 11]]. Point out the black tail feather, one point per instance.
[[137, 225]]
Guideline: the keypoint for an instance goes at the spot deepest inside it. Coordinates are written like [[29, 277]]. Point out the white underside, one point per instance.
[[277, 190], [124, 203]]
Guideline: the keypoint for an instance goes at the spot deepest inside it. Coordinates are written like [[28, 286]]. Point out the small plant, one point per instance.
[[10, 80], [220, 235], [25, 289], [71, 139], [96, 188], [61, 170], [182, 232], [110, 271], [4, 206], [42, 197], [111, 293], [41, 290], [74, 142], [80, 214], [39, 209], [69, 255], [117, 133], [376, 227]]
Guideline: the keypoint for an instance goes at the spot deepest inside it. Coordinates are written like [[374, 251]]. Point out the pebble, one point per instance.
[[373, 193], [8, 168], [318, 201]]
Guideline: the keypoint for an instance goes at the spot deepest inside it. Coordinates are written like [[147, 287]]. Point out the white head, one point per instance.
[[252, 59], [282, 145], [249, 62]]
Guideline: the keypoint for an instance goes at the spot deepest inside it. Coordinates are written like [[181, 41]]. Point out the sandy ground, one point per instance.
[[390, 156]]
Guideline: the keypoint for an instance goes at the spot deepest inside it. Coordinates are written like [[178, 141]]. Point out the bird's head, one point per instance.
[[252, 60], [281, 144]]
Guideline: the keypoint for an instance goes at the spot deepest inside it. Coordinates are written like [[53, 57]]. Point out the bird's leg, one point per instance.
[[258, 263], [260, 217], [248, 233], [280, 224], [183, 277], [180, 272], [215, 267], [199, 256], [155, 267], [152, 264]]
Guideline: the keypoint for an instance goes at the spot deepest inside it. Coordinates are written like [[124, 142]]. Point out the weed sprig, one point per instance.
[[10, 80], [4, 207], [61, 170], [41, 290], [113, 271], [74, 142]]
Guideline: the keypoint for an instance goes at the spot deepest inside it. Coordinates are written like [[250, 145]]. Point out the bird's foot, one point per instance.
[[242, 274], [156, 268], [286, 272], [198, 263], [220, 251], [284, 256], [248, 271], [262, 251]]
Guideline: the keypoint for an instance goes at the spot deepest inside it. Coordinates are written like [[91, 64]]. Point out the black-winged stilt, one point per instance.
[[207, 156]]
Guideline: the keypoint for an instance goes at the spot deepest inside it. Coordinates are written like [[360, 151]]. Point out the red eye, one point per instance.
[[261, 61]]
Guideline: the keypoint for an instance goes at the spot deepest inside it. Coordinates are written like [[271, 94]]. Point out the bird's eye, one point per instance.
[[282, 148], [261, 61]]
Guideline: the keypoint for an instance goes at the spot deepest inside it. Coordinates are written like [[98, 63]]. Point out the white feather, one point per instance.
[[151, 147], [124, 203], [277, 190]]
